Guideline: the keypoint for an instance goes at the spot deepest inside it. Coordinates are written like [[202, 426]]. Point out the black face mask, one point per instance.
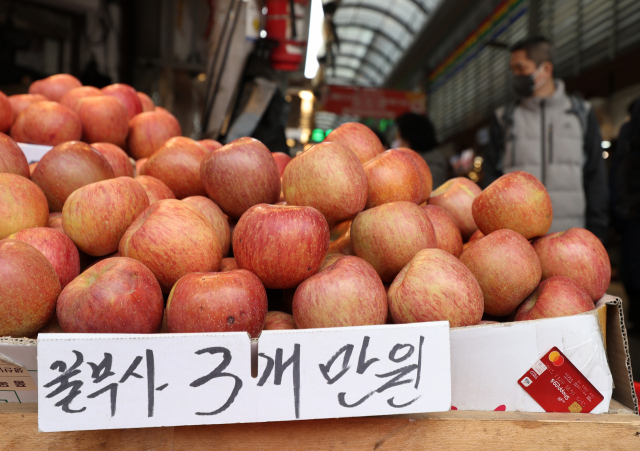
[[525, 85]]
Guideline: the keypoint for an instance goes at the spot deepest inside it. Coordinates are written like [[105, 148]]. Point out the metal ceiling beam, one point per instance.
[[367, 47], [415, 2], [444, 21], [348, 80], [368, 77], [370, 28], [362, 60], [382, 12]]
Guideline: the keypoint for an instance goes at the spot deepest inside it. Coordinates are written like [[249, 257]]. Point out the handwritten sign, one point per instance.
[[109, 381]]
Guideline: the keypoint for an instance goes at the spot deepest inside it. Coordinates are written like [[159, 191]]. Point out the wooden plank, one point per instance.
[[19, 431], [492, 431]]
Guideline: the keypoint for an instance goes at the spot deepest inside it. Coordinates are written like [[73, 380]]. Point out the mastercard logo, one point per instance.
[[556, 358]]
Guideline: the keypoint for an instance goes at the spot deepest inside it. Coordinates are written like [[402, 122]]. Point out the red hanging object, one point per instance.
[[287, 56]]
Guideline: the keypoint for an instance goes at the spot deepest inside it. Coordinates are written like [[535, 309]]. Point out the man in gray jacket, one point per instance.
[[552, 136]]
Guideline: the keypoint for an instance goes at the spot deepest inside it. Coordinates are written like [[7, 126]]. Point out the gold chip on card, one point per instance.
[[575, 408]]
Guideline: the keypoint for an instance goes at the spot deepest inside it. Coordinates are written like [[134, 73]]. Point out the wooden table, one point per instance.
[[495, 431]]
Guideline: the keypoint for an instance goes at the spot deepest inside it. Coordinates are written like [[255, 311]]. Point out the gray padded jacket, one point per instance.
[[549, 139]]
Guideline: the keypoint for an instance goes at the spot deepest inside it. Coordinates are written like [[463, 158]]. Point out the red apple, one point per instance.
[[104, 119], [507, 269], [425, 172], [116, 157], [127, 96], [456, 197], [282, 245], [149, 131], [152, 240], [556, 296], [55, 86], [96, 216], [55, 221], [328, 177], [22, 205], [228, 264], [282, 160], [390, 235], [279, 321], [47, 123], [155, 189], [347, 293], [12, 159], [240, 175], [210, 144], [114, 296], [177, 165], [56, 247], [476, 236], [340, 239], [19, 102], [359, 138], [216, 217], [29, 289], [447, 232], [6, 113], [146, 102], [329, 260], [233, 301], [139, 164], [577, 254], [517, 201], [436, 286], [67, 167], [392, 177], [32, 167], [73, 97]]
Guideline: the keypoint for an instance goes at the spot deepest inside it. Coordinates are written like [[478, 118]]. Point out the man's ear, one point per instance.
[[548, 68]]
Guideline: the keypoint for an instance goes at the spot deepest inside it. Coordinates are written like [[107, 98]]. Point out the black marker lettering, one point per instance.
[[218, 372], [324, 369], [363, 363]]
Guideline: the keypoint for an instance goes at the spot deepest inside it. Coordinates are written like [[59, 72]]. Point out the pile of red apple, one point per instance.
[[177, 235]]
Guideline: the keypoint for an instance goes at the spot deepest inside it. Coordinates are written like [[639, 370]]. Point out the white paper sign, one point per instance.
[[112, 381]]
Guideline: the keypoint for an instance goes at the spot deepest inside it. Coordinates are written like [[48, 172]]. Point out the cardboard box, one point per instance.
[[610, 320], [488, 360], [18, 370], [34, 152]]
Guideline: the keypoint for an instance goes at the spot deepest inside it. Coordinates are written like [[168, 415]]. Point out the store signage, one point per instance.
[[371, 102], [112, 381]]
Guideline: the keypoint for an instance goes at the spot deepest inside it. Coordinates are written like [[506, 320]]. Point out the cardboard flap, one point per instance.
[[618, 353], [19, 351]]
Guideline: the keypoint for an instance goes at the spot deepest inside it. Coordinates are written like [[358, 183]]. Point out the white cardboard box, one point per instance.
[[34, 152], [473, 388], [488, 360]]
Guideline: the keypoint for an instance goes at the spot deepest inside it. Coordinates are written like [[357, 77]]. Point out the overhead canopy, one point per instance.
[[373, 35]]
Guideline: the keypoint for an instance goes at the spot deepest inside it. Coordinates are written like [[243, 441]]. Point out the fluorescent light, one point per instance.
[[314, 41], [605, 144]]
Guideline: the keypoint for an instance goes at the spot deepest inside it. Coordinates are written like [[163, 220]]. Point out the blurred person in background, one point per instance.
[[553, 136], [416, 132], [625, 208]]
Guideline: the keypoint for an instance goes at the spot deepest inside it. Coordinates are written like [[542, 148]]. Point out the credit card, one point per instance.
[[558, 386]]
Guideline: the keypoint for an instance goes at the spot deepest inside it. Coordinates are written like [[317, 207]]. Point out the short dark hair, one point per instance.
[[418, 131], [537, 48]]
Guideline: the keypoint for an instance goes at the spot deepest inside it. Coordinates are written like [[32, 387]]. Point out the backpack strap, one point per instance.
[[507, 116], [505, 120], [580, 108]]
